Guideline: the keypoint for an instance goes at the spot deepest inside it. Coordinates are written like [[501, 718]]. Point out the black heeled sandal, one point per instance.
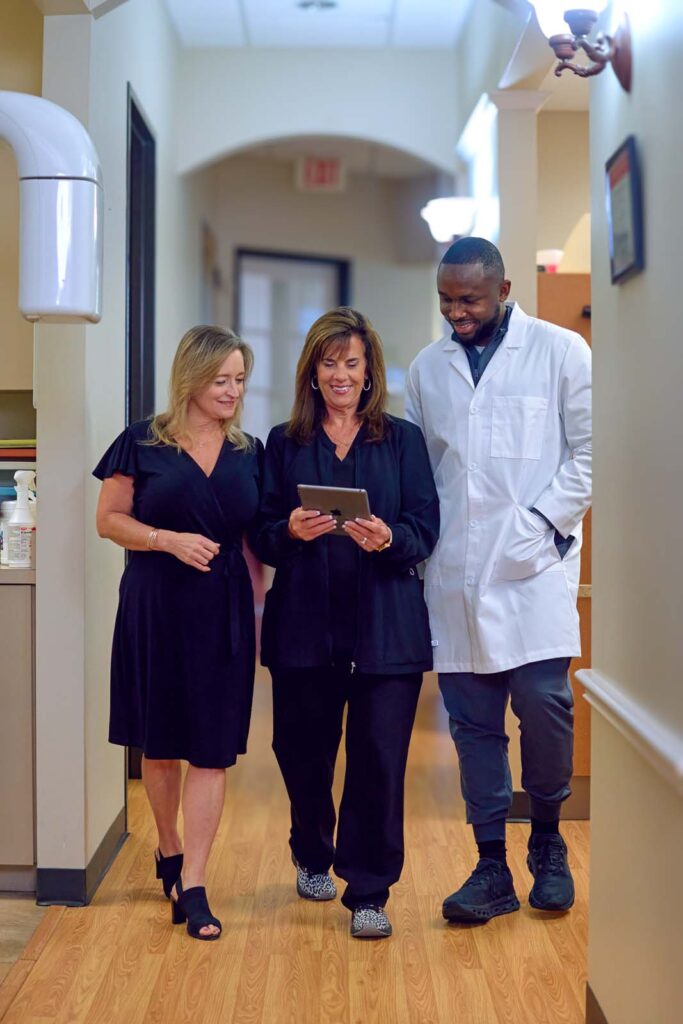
[[168, 869], [192, 906]]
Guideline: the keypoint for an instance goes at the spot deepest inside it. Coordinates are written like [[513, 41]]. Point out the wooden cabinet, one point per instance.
[[564, 299], [17, 835]]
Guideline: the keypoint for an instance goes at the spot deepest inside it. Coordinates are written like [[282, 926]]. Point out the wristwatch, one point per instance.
[[387, 542]]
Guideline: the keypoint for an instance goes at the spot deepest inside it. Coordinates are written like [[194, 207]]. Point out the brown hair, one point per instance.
[[200, 355], [332, 332]]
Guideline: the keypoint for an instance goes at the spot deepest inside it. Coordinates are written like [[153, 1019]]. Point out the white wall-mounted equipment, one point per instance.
[[62, 205]]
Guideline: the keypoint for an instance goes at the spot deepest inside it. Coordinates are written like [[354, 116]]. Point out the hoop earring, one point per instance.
[[367, 385], [314, 384]]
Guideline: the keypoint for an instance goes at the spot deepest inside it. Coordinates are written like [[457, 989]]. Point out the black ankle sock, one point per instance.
[[545, 828], [493, 849]]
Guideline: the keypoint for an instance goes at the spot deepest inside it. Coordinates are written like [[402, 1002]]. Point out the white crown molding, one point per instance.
[[94, 7], [658, 744]]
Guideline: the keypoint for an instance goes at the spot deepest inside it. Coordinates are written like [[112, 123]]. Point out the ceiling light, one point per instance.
[[449, 217], [554, 17], [317, 5]]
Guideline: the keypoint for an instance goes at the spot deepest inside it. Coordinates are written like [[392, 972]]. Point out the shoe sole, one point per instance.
[[457, 912], [371, 933]]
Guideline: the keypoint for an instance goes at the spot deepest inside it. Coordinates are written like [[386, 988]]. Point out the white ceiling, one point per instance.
[[429, 24]]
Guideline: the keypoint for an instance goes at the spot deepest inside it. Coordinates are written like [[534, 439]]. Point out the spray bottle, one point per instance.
[[20, 531]]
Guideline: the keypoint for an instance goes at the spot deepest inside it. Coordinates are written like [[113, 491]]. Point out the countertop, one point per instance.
[[25, 576]]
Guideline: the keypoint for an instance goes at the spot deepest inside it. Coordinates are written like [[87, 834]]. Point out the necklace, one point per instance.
[[207, 440], [338, 441]]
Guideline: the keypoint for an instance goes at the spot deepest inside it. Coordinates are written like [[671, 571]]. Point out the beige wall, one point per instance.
[[564, 189], [636, 882], [375, 224], [21, 55], [80, 389]]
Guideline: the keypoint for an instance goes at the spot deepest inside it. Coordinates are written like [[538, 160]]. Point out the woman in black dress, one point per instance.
[[345, 623], [178, 492]]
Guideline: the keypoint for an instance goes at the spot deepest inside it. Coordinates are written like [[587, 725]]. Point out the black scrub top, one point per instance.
[[343, 555]]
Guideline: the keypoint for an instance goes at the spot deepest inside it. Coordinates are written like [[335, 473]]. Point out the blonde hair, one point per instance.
[[197, 362], [333, 332]]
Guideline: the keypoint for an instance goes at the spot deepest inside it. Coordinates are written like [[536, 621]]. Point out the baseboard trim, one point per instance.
[[654, 740], [519, 808], [594, 1014], [576, 807], [17, 879], [75, 887]]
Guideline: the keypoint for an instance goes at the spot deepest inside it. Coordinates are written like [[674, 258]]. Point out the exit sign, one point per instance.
[[320, 174]]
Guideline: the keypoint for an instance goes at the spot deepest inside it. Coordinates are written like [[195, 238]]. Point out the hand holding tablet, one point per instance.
[[341, 512], [343, 504]]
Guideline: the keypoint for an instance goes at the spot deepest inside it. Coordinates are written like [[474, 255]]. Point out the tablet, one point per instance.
[[341, 502]]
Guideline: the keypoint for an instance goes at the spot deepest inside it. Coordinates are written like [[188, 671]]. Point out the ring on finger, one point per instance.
[[364, 540]]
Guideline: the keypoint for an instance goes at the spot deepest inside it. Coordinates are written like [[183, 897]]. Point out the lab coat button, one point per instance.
[[469, 581], [473, 410], [472, 467], [473, 523]]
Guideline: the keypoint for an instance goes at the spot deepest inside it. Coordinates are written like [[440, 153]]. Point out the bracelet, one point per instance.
[[387, 542], [152, 539]]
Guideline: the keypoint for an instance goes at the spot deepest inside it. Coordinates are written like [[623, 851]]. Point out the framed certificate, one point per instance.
[[625, 211]]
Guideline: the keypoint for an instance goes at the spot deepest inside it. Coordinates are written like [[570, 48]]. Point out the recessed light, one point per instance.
[[317, 5]]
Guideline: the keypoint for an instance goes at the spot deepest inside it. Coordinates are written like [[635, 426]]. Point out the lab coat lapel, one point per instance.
[[515, 338], [458, 360]]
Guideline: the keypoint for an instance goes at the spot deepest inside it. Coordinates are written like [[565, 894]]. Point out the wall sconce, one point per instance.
[[553, 17], [449, 217]]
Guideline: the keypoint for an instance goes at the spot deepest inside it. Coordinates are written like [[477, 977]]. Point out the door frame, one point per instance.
[[343, 268], [140, 289]]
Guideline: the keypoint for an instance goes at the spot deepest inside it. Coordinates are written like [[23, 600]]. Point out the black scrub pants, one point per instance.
[[308, 708]]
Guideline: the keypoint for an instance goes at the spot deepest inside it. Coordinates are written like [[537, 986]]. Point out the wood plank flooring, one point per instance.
[[284, 961]]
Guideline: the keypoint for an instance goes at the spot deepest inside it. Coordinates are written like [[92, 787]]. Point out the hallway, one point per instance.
[[282, 960]]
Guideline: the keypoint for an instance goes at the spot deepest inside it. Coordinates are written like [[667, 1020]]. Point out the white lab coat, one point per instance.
[[498, 593]]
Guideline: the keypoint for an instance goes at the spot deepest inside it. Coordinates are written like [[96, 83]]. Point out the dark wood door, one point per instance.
[[140, 287]]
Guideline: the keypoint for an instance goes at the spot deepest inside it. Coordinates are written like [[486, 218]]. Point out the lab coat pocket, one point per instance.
[[528, 548], [517, 426]]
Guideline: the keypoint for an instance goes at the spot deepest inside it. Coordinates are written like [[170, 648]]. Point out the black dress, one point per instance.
[[182, 670]]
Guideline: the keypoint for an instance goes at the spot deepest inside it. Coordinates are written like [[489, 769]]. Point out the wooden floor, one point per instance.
[[283, 960]]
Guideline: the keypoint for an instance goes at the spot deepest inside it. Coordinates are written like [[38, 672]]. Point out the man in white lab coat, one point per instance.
[[504, 402]]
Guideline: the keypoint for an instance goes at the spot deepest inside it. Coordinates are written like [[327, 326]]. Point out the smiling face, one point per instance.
[[471, 300], [341, 374], [220, 398]]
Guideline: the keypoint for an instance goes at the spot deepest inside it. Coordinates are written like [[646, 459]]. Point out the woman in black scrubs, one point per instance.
[[178, 493], [345, 623]]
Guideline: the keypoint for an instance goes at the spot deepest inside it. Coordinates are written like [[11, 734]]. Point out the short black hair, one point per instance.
[[477, 250]]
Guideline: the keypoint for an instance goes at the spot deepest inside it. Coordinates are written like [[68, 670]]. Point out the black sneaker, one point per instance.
[[488, 892], [553, 888]]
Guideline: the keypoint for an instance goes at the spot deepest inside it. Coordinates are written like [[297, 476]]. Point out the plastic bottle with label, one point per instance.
[[20, 531]]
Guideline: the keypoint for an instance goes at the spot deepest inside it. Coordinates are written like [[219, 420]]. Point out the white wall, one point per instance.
[[636, 882], [375, 224], [88, 63], [21, 56], [233, 99], [482, 54]]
